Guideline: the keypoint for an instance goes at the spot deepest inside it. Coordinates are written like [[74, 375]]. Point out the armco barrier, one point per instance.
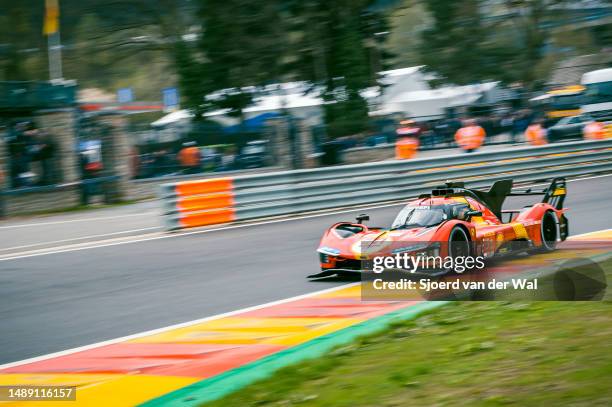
[[221, 200], [198, 203]]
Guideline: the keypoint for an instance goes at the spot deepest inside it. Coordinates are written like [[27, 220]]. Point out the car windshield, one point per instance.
[[253, 149], [564, 121], [599, 92], [419, 216], [566, 101]]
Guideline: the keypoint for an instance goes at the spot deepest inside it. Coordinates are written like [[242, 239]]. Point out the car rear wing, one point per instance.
[[554, 194]]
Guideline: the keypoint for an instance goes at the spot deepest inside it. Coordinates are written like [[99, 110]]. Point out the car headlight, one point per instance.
[[329, 251]]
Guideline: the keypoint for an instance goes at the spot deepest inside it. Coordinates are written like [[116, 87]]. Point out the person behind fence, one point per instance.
[[521, 122], [91, 166], [45, 154], [189, 158], [594, 131], [536, 133], [18, 162], [507, 126], [471, 136], [443, 132], [409, 128], [162, 164]]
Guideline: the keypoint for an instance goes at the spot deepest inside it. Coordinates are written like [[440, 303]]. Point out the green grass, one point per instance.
[[464, 354]]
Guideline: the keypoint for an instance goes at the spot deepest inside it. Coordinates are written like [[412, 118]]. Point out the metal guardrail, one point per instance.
[[221, 200]]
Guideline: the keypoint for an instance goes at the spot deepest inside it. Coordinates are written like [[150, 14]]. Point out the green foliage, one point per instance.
[[190, 79], [333, 44], [241, 45], [340, 49], [454, 46], [247, 45], [406, 26], [465, 44], [18, 59], [105, 44]]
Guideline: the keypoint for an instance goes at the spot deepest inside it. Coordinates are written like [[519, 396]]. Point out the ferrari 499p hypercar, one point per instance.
[[451, 221]]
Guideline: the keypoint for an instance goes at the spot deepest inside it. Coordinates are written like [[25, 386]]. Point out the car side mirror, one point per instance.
[[470, 214], [362, 218]]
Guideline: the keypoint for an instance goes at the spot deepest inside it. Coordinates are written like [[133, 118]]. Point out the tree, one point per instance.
[[241, 47], [468, 42], [246, 45], [339, 50], [192, 81], [108, 44], [84, 61], [347, 111], [19, 42], [453, 45]]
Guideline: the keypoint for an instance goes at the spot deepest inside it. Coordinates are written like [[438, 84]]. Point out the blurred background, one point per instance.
[[99, 99]]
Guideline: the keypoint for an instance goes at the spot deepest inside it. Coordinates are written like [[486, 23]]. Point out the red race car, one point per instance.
[[451, 221]]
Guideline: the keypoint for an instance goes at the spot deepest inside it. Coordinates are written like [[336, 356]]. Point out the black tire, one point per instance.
[[458, 243], [549, 231], [564, 227]]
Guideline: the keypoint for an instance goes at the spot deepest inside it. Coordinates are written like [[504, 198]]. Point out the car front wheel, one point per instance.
[[458, 243]]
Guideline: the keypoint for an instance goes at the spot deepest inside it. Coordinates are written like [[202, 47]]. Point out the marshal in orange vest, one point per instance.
[[470, 137]]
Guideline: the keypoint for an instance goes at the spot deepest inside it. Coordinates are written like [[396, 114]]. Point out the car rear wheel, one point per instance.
[[549, 230]]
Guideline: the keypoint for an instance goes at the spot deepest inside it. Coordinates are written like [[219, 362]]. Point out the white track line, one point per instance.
[[590, 233], [121, 241], [114, 242], [168, 328], [78, 238], [27, 225]]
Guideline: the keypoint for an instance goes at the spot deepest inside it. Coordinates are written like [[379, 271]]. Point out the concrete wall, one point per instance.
[[115, 156], [63, 197], [278, 133], [368, 154], [286, 141], [61, 125]]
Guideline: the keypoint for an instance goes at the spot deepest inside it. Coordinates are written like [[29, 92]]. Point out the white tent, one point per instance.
[[177, 116], [406, 91], [431, 103], [181, 117], [291, 96]]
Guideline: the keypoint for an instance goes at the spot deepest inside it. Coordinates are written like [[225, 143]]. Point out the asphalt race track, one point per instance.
[[72, 298]]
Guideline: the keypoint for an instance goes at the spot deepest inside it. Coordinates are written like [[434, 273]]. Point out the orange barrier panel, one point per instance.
[[206, 186], [211, 201], [210, 217]]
